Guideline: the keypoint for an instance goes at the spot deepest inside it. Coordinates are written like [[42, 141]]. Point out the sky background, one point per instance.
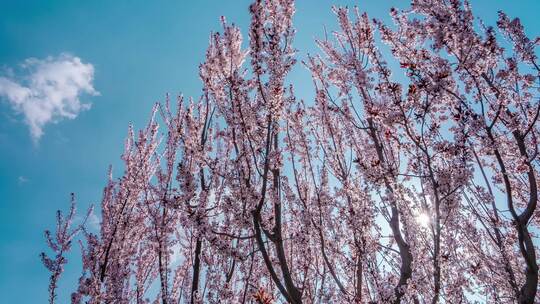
[[138, 53]]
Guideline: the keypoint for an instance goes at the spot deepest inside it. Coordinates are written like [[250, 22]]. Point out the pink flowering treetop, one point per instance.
[[410, 185]]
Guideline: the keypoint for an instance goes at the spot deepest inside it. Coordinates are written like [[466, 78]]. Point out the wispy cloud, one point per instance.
[[49, 90], [22, 180], [93, 221]]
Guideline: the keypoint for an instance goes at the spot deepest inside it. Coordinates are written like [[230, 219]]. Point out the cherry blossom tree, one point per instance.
[[410, 178]]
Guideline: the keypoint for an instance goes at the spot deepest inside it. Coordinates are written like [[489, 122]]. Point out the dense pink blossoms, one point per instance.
[[417, 187]]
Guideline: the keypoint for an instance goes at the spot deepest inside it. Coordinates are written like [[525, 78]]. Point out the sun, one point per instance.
[[423, 219]]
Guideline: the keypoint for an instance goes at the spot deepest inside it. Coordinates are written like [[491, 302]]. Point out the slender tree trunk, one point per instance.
[[405, 254], [196, 269], [530, 287]]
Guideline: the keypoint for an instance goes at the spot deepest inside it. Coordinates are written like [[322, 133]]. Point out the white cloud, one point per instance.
[[22, 180], [50, 91], [93, 221]]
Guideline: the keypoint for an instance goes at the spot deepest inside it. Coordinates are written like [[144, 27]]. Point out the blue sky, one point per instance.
[[138, 53]]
